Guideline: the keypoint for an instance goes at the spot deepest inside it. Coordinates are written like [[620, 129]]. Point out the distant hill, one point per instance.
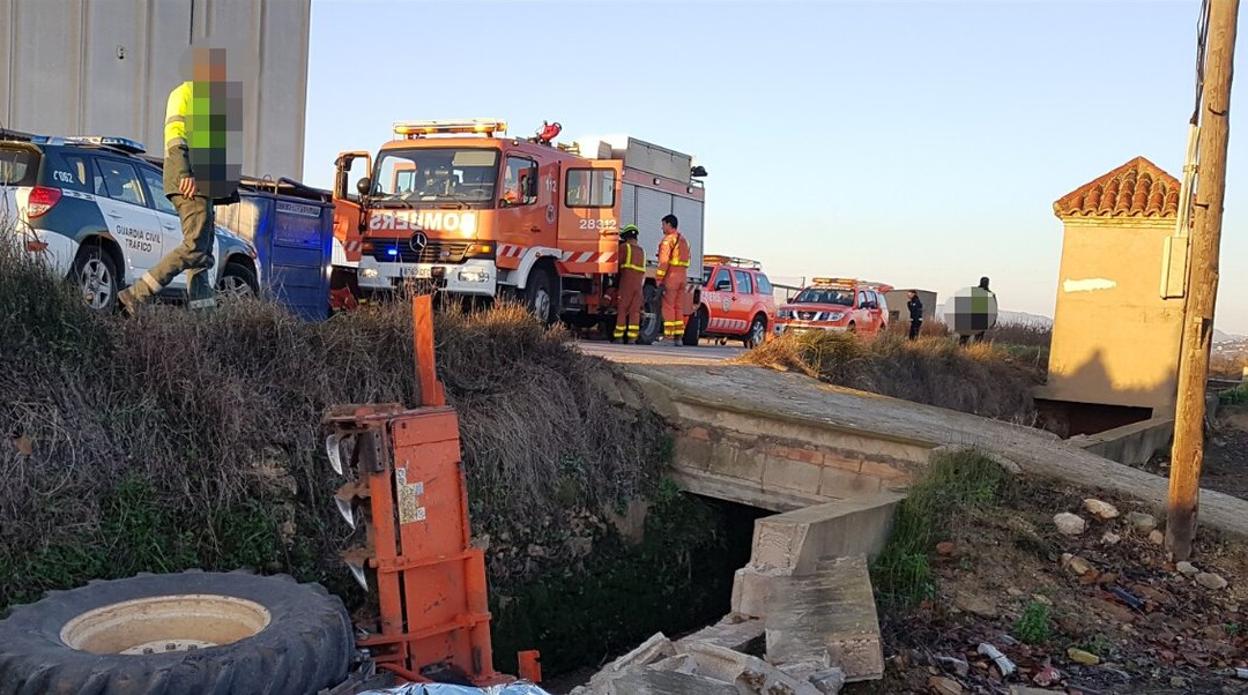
[[1224, 337], [1022, 318]]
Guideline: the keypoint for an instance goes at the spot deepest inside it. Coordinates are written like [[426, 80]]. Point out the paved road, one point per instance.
[[660, 354]]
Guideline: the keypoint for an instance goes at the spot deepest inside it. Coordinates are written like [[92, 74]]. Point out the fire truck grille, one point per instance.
[[402, 251], [807, 315]]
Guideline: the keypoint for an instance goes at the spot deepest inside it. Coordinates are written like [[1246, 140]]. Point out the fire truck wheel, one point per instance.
[[651, 316], [695, 327], [191, 632], [541, 295]]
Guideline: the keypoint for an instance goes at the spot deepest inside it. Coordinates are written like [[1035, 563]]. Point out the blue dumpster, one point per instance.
[[292, 228]]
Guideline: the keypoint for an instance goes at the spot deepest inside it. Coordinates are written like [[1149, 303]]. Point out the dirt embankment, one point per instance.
[[175, 440]]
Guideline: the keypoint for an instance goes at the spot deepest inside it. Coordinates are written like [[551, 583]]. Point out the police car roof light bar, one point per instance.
[[475, 126], [117, 143]]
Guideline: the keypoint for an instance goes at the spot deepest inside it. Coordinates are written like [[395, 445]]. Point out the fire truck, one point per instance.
[[461, 207]]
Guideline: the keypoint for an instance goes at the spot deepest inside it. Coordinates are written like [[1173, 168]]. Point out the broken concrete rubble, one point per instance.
[[646, 681], [756, 675], [734, 631], [832, 612]]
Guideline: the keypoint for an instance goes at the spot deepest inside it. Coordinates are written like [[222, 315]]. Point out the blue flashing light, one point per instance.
[[392, 252]]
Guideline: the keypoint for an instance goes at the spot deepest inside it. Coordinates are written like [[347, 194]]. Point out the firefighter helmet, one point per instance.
[[628, 231]]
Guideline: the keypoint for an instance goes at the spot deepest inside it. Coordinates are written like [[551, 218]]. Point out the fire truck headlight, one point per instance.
[[474, 275], [369, 272], [785, 314], [835, 316]]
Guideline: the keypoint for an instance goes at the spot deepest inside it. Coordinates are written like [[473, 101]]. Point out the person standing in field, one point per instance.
[[915, 306]]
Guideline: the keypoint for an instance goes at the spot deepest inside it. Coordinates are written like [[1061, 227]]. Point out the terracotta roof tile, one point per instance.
[[1138, 188]]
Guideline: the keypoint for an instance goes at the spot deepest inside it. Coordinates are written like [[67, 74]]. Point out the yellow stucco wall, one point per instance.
[[1115, 340]]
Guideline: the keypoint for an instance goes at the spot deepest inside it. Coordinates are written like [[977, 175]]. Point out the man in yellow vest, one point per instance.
[[632, 282], [200, 168], [672, 273]]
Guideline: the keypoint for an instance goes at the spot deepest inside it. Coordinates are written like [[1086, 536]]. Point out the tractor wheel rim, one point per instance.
[[97, 283], [172, 623]]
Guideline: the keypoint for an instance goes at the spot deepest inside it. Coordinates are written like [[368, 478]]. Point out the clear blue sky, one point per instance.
[[915, 143]]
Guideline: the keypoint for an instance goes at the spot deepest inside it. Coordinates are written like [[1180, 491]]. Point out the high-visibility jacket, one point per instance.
[[190, 117], [673, 253], [632, 257], [177, 147]]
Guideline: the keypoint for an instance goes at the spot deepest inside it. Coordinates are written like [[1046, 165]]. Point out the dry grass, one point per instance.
[[203, 421], [983, 379]]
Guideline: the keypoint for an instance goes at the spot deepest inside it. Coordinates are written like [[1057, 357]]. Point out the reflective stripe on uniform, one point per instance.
[[176, 111], [628, 260]]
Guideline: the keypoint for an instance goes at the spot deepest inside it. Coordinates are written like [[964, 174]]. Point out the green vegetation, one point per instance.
[[959, 482], [1035, 626], [1235, 396]]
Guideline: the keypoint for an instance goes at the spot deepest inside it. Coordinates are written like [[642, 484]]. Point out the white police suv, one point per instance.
[[95, 210]]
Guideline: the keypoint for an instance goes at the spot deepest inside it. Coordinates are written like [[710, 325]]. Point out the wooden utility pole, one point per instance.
[[1202, 281]]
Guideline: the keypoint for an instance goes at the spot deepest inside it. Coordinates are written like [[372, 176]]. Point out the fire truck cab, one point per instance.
[[463, 208]]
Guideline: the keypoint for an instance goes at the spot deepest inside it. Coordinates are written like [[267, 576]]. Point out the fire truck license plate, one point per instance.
[[418, 272]]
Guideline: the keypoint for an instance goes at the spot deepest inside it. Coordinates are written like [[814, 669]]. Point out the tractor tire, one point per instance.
[[184, 633]]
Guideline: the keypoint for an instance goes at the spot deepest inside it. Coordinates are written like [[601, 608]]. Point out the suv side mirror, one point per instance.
[[364, 186], [723, 286]]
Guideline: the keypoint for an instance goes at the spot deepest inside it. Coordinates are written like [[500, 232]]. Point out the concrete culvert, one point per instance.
[[189, 632]]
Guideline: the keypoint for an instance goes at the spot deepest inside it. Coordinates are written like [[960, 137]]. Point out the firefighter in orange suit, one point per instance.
[[673, 269], [632, 280]]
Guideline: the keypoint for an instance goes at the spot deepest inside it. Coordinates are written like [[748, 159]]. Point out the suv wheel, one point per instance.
[[695, 328], [238, 280], [758, 332], [95, 274]]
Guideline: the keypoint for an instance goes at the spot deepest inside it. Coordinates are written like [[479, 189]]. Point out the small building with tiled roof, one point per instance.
[[1115, 337]]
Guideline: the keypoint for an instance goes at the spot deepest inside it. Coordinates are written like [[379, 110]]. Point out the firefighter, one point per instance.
[[196, 118], [673, 269], [631, 280]]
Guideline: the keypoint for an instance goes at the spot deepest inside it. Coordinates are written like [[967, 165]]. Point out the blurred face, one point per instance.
[[667, 228], [203, 64]]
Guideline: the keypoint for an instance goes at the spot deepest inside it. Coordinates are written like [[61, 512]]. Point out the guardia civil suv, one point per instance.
[[96, 211]]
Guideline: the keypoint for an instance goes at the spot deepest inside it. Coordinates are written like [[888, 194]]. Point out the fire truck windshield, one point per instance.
[[429, 177], [818, 295]]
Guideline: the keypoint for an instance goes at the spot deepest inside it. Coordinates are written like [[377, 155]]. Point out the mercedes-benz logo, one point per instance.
[[418, 242]]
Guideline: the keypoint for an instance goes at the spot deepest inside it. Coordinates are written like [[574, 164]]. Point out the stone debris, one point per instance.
[[1209, 580], [1079, 656], [757, 676], [1187, 569], [733, 631], [1141, 522], [1111, 538], [647, 681], [829, 681], [975, 604], [1099, 509], [1069, 524], [1156, 537], [655, 649], [953, 663], [1077, 565], [944, 686]]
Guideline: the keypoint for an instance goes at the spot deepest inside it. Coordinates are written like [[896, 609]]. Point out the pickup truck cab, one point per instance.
[[836, 304], [737, 302]]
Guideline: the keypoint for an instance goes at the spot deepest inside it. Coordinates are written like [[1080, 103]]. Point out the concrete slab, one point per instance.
[[654, 682], [826, 615], [796, 541], [734, 631], [750, 673]]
